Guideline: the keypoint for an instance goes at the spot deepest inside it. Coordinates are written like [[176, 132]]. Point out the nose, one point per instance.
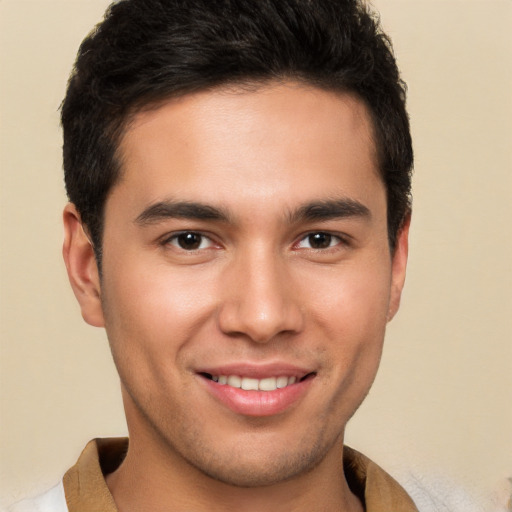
[[259, 299]]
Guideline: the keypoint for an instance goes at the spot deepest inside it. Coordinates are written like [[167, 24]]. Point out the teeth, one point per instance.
[[234, 381], [282, 382], [249, 384], [268, 384]]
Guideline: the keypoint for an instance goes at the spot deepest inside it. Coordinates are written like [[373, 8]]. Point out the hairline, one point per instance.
[[239, 85]]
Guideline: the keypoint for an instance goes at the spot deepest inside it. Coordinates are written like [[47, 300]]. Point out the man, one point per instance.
[[239, 184]]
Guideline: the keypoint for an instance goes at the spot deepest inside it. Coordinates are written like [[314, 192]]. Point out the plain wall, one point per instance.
[[441, 405]]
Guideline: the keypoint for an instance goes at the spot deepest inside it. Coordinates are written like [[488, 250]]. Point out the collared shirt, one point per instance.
[[86, 490], [83, 488]]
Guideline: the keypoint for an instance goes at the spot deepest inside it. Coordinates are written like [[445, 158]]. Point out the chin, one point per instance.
[[263, 462]]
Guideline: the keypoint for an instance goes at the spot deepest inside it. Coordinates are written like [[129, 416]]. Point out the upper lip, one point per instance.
[[257, 370]]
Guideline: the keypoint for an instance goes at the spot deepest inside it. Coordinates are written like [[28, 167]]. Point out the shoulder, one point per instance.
[[52, 500]]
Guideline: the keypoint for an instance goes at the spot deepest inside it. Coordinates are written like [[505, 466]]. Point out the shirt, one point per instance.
[[85, 489]]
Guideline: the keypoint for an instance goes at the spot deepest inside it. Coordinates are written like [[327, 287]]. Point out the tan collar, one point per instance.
[[86, 489], [381, 491]]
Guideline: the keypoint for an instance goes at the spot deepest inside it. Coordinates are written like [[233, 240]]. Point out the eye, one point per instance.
[[319, 240], [190, 241]]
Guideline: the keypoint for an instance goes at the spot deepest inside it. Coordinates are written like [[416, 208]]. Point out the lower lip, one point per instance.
[[258, 403]]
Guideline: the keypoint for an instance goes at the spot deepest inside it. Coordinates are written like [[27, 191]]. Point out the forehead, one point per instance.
[[282, 142]]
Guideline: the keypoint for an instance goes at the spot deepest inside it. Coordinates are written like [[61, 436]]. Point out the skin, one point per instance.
[[257, 290]]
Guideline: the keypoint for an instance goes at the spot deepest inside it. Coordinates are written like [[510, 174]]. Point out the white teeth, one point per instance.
[[234, 381], [282, 382], [268, 384], [250, 384]]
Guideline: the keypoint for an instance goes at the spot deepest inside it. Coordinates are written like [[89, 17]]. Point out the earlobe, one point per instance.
[[81, 266], [399, 266]]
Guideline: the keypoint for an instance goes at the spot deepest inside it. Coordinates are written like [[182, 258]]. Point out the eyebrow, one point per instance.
[[313, 211], [180, 210], [329, 210]]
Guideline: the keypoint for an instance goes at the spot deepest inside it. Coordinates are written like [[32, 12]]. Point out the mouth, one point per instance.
[[252, 389], [254, 384]]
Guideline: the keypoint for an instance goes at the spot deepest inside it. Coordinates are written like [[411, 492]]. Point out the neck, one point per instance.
[[149, 481]]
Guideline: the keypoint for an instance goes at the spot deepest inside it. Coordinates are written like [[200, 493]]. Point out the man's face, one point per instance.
[[246, 241]]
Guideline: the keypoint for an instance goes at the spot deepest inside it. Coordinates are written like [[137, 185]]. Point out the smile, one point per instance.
[[258, 395], [251, 384]]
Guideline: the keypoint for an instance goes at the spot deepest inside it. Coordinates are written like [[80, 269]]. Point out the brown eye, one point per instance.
[[320, 240], [190, 241]]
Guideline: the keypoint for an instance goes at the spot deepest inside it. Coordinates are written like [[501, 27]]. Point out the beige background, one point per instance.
[[441, 405]]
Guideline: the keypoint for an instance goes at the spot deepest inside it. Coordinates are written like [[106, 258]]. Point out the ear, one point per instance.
[[398, 269], [82, 268]]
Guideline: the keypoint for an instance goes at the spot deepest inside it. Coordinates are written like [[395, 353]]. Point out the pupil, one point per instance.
[[320, 240], [189, 241]]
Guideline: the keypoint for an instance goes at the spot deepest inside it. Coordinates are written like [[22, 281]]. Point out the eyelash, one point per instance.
[[340, 240], [329, 236], [175, 237]]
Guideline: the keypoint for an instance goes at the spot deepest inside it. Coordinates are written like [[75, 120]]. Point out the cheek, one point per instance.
[[353, 301], [154, 313], [352, 314]]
